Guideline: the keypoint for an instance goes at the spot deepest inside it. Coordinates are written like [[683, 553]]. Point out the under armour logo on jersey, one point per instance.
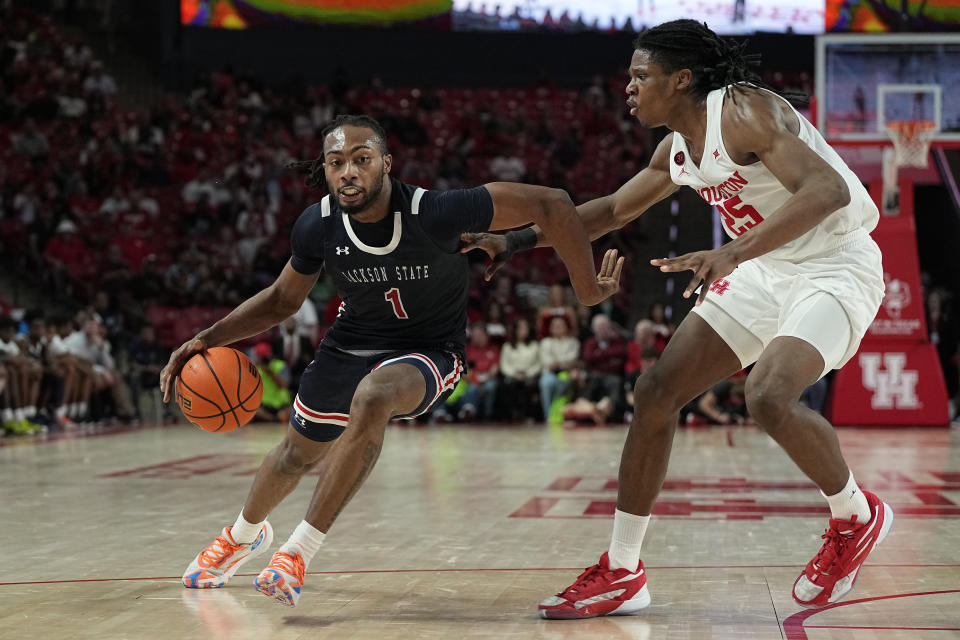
[[344, 250], [716, 153], [720, 286]]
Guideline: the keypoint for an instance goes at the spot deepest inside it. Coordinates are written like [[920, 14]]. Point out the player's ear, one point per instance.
[[387, 163], [683, 79]]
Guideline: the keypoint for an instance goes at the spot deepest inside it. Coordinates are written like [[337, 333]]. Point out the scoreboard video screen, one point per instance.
[[727, 17], [243, 14]]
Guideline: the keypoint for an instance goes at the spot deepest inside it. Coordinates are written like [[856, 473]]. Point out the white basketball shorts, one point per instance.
[[828, 300]]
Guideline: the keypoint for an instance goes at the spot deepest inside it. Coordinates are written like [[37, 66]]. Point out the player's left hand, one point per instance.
[[707, 266], [494, 244]]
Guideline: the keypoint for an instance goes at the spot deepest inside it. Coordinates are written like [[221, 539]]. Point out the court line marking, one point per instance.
[[478, 570], [794, 628]]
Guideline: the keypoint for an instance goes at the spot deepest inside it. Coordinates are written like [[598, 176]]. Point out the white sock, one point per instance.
[[849, 502], [8, 415], [72, 409], [31, 411], [628, 531], [308, 538], [61, 411], [244, 532], [82, 409], [21, 413]]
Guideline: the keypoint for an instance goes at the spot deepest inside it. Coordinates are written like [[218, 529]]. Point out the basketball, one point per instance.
[[219, 390]]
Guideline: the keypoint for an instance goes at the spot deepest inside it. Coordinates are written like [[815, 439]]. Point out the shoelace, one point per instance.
[[291, 563], [832, 550], [218, 550], [589, 576]]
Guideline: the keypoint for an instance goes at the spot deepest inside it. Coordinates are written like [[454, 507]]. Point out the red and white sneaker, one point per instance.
[[833, 571], [600, 591]]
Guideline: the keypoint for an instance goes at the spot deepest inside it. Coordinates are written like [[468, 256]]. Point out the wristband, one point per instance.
[[521, 240]]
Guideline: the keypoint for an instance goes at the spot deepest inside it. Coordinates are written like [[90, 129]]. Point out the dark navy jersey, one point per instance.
[[403, 280]]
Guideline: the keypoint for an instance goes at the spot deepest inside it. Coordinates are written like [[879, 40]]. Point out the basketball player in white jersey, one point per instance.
[[792, 294]]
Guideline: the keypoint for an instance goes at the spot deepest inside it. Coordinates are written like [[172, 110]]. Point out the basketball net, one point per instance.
[[911, 148], [911, 141]]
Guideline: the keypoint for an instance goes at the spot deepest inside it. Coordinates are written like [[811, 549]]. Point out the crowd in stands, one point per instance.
[[156, 221]]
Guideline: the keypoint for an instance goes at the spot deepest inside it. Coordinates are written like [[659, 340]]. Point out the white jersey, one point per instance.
[[746, 195]]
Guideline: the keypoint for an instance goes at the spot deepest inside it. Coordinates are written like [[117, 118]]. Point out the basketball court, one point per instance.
[[461, 531]]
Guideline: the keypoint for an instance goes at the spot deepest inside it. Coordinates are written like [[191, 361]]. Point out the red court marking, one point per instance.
[[535, 508], [564, 484], [172, 465], [794, 629], [719, 508], [827, 626], [512, 569], [741, 485]]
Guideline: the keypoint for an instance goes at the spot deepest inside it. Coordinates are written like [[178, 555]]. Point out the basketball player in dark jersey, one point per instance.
[[397, 346]]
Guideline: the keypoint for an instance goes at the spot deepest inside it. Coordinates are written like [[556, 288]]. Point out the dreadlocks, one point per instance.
[[714, 62], [313, 169]]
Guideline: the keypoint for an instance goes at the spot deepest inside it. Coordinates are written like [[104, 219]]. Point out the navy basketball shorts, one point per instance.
[[321, 409]]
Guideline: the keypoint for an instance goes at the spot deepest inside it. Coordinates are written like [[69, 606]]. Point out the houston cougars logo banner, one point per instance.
[[901, 315], [890, 384], [895, 377]]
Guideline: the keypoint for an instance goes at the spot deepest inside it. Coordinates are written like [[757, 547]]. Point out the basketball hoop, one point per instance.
[[911, 141]]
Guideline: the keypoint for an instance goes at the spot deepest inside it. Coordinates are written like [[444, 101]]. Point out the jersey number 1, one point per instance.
[[393, 297]]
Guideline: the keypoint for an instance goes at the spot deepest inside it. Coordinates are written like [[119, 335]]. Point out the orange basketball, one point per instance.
[[219, 389]]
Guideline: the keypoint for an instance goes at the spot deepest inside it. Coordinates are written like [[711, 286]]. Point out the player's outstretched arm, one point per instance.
[[553, 211], [763, 126], [258, 313], [599, 216]]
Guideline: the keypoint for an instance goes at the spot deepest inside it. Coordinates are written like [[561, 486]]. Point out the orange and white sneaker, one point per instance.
[[214, 566], [600, 591], [283, 577], [833, 571]]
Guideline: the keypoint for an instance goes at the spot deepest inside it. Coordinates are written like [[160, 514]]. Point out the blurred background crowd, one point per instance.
[[126, 227]]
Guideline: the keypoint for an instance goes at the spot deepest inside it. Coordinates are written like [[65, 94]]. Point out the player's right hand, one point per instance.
[[608, 279], [168, 376], [494, 244]]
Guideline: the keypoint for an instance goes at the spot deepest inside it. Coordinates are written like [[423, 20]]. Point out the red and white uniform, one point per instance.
[[776, 294]]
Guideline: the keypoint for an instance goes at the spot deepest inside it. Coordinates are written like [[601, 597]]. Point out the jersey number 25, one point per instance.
[[734, 212]]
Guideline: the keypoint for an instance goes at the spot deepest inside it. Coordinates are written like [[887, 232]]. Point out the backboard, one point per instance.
[[864, 82]]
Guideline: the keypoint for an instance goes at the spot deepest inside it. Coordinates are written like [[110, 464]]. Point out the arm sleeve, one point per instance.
[[444, 215], [306, 241]]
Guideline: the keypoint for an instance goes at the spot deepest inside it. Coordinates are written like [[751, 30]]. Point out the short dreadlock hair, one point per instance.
[[687, 44], [313, 169]]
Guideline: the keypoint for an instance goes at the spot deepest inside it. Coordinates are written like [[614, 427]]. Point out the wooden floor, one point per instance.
[[460, 531]]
